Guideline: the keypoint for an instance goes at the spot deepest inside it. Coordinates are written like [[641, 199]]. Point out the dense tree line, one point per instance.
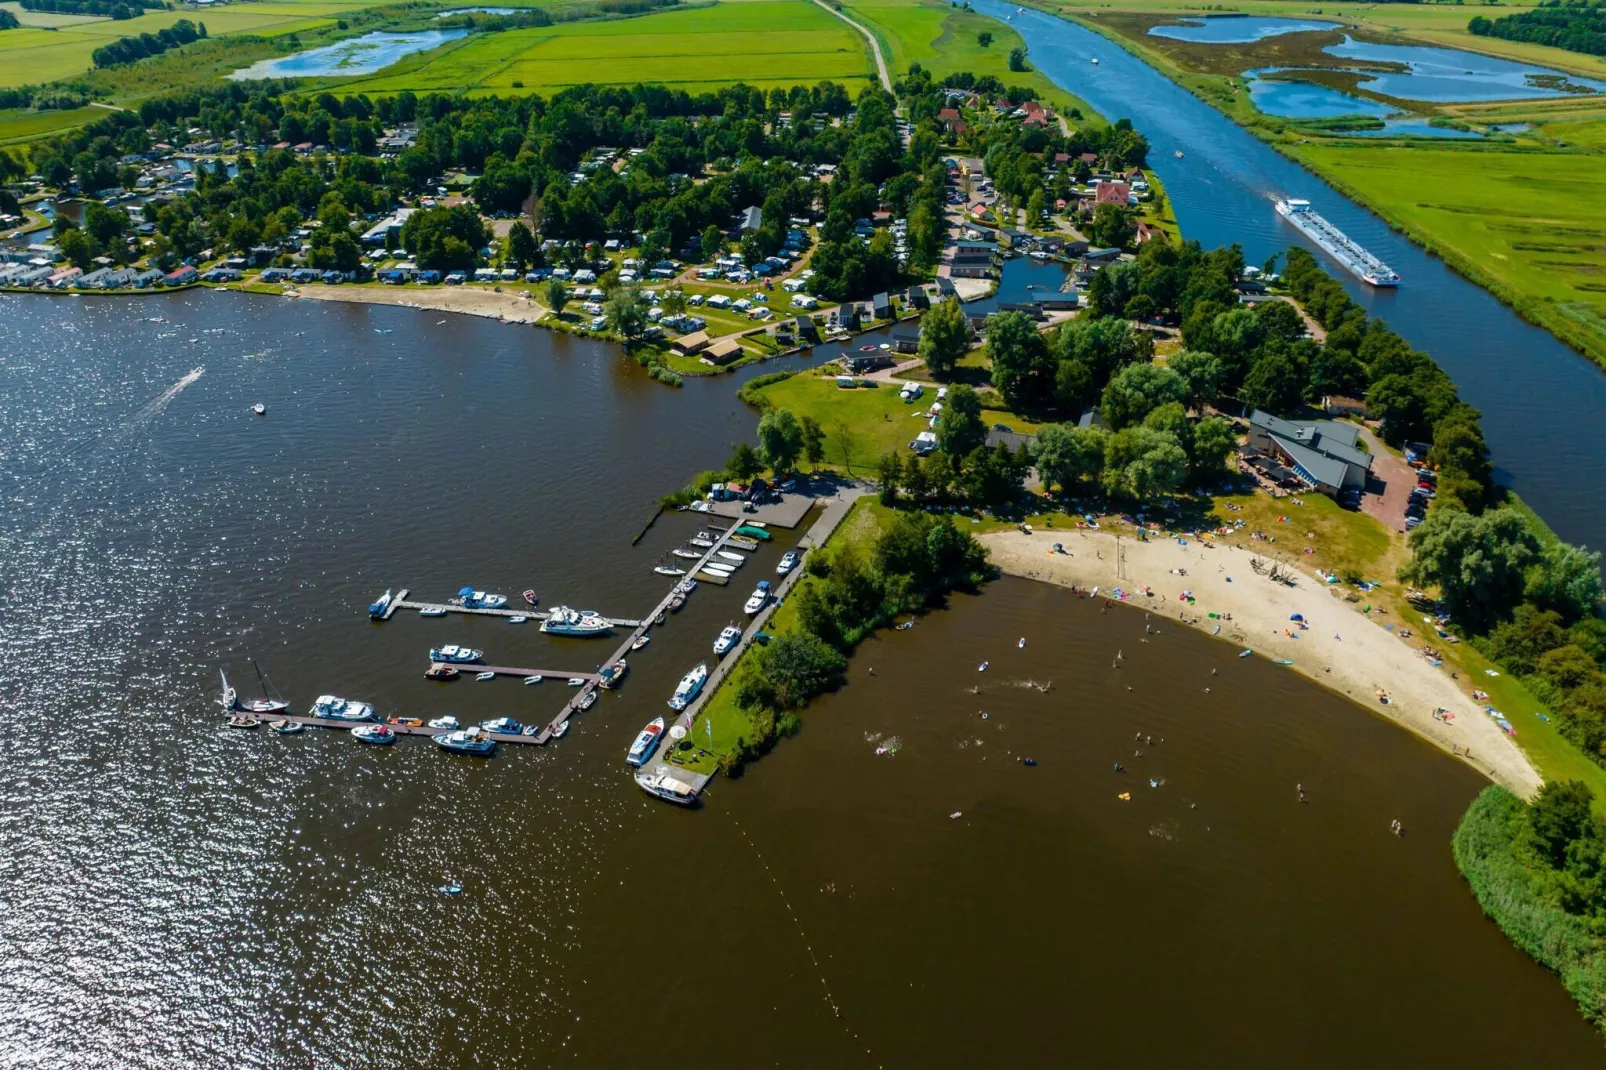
[[8, 21], [133, 49], [846, 596], [1539, 870], [1576, 25], [113, 9]]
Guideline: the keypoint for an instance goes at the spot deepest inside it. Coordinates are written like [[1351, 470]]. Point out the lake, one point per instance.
[[358, 55], [1235, 29], [1222, 192], [177, 893]]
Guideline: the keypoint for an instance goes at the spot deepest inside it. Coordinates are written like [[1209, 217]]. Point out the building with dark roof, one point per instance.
[[1323, 453]]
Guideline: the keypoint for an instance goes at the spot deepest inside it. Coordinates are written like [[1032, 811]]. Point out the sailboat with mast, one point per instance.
[[265, 706]]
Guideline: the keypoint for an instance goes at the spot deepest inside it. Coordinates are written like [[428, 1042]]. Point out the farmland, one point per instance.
[[764, 43], [37, 54], [1482, 210]]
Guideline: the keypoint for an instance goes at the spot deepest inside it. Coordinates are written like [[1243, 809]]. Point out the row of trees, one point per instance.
[[133, 49], [1576, 25], [847, 595], [114, 9]]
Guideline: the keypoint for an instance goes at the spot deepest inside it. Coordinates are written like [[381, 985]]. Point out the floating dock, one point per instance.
[[401, 602], [399, 729], [467, 668]]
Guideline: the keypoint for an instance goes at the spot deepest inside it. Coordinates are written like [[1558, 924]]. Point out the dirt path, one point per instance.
[[875, 46], [1341, 649]]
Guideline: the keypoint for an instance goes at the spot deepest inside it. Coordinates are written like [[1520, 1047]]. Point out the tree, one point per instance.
[[1202, 373], [1275, 383], [1213, 439], [800, 666], [626, 312], [713, 242], [780, 439], [1137, 390], [104, 225], [1066, 455], [984, 39], [445, 239], [744, 464], [889, 472], [944, 337], [1479, 563], [1567, 580], [813, 440], [1141, 462], [557, 295], [77, 247], [1023, 367], [1017, 60], [1559, 815], [1112, 227], [960, 428], [522, 248]]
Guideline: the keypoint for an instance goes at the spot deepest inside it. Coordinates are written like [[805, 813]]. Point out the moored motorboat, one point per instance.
[[561, 731], [661, 617], [728, 638], [689, 686], [759, 598], [474, 741], [787, 563], [675, 604], [286, 727], [577, 681], [641, 641], [405, 722], [578, 622], [662, 784], [504, 725], [440, 672], [706, 544], [753, 531], [333, 708], [381, 605], [469, 598], [612, 674], [432, 611], [646, 742], [588, 700], [531, 598], [243, 720], [742, 542], [380, 734], [458, 654], [446, 721], [521, 619]]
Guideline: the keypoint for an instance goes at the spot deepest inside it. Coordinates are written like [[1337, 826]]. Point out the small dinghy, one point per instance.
[[560, 731], [531, 598], [641, 641], [661, 617], [243, 720], [440, 672], [530, 681], [577, 681], [675, 604], [287, 728], [432, 611], [405, 722], [483, 676], [260, 409], [1022, 644], [589, 701], [518, 620], [983, 666], [1245, 653]]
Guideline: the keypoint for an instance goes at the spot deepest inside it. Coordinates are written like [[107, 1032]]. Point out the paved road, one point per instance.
[[875, 46]]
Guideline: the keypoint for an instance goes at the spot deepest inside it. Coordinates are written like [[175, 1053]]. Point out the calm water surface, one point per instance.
[[359, 55], [1234, 30], [1539, 399], [174, 893]]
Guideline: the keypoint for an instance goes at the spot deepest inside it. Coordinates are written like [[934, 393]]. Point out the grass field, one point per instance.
[[21, 127], [1528, 225], [34, 55], [764, 43]]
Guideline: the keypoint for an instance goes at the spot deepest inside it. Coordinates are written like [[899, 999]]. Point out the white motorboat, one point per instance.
[[641, 641], [577, 681], [381, 734], [450, 655], [662, 784], [504, 725], [334, 708], [706, 544], [759, 598], [565, 621], [561, 731], [728, 638], [518, 620], [530, 681], [474, 741], [484, 676], [432, 611], [447, 722], [381, 605], [690, 685], [469, 598], [788, 562], [612, 674], [588, 700], [646, 742]]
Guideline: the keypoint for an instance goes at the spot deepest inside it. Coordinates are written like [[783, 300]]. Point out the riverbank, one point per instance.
[[1340, 650]]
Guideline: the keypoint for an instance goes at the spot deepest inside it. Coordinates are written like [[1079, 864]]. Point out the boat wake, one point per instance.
[[155, 406]]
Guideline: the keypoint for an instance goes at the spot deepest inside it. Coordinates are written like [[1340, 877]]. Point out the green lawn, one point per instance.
[[862, 425], [764, 43], [21, 127]]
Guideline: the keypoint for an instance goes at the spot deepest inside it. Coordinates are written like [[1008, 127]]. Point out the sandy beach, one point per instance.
[[1342, 649], [507, 305]]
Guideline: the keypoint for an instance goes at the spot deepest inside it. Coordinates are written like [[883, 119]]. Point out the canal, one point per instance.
[[1538, 397], [177, 893]]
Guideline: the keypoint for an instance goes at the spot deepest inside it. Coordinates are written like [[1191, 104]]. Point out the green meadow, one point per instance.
[[764, 43]]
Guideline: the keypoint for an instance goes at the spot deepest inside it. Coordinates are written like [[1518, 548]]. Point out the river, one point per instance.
[[176, 893], [1538, 397]]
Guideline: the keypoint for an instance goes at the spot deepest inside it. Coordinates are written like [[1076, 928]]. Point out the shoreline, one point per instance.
[[489, 304], [1366, 659]]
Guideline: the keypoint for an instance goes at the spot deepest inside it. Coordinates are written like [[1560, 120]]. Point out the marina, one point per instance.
[[1349, 253], [441, 609]]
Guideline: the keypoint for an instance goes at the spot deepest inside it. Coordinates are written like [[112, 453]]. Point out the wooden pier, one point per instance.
[[399, 729], [468, 668], [401, 602]]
